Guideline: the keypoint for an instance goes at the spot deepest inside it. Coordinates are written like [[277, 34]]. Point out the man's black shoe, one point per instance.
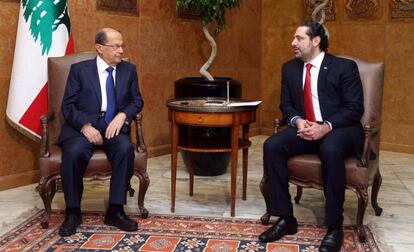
[[332, 242], [283, 226], [69, 225], [120, 220]]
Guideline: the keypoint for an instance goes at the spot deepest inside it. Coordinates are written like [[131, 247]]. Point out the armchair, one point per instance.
[[50, 153], [305, 170]]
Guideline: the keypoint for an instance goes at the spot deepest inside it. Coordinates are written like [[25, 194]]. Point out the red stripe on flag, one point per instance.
[[70, 48], [31, 118]]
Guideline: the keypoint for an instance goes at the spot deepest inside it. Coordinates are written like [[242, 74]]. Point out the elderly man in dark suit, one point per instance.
[[322, 103], [100, 100]]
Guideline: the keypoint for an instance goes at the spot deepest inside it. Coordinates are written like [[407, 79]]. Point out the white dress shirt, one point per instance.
[[103, 75]]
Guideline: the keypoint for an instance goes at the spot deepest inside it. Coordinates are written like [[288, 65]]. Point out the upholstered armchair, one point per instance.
[[50, 154], [305, 170]]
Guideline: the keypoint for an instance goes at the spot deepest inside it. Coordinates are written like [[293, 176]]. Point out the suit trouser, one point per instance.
[[76, 153], [332, 150]]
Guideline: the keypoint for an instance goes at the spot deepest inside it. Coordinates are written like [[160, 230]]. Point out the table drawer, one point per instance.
[[204, 119]]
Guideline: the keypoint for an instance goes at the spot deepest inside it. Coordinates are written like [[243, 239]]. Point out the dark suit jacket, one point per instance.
[[82, 99], [339, 89]]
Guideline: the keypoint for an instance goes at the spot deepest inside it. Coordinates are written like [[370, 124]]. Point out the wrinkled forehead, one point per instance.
[[114, 36], [301, 31]]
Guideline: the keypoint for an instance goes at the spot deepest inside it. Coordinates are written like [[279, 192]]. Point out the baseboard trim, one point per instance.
[[19, 179], [155, 151], [397, 147], [266, 131], [254, 132]]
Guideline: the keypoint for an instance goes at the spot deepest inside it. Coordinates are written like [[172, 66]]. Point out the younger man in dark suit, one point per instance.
[[101, 98], [322, 102]]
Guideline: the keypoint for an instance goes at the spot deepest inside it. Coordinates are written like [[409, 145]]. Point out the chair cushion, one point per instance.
[[306, 170], [98, 165]]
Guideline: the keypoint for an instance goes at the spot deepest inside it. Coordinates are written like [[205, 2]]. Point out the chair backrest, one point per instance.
[[372, 77], [58, 71]]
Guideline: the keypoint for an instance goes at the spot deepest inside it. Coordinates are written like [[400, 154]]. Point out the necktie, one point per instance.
[[307, 95], [110, 96]]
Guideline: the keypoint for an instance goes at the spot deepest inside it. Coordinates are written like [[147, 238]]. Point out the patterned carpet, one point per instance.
[[169, 233]]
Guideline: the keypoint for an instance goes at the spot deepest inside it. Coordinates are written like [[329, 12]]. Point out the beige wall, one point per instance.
[[164, 47], [390, 41]]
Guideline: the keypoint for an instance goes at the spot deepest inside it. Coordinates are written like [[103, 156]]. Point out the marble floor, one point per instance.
[[393, 230]]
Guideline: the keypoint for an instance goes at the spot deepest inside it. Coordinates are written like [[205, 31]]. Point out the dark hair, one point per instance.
[[100, 37], [316, 29]]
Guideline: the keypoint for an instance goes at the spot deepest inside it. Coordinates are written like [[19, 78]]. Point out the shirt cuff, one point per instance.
[[293, 121], [329, 123]]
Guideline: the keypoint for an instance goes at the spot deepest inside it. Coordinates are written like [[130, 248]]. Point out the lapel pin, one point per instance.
[[325, 68]]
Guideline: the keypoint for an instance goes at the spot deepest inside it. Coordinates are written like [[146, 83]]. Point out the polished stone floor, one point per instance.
[[393, 230]]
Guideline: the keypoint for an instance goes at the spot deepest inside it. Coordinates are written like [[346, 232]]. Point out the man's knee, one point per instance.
[[76, 152], [330, 151], [127, 148], [124, 146], [272, 145]]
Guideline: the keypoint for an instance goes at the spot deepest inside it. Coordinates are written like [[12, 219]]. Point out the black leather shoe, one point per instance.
[[120, 220], [69, 225], [282, 227], [332, 242]]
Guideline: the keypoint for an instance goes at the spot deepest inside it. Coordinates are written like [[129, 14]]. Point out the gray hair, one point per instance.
[[101, 37]]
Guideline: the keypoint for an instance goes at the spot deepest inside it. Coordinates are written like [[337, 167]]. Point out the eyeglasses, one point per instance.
[[115, 47]]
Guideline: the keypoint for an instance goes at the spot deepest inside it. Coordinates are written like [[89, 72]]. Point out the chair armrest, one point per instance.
[[278, 124], [44, 121], [140, 138], [369, 133]]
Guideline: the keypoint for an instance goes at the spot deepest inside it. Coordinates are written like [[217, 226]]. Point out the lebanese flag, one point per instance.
[[43, 31]]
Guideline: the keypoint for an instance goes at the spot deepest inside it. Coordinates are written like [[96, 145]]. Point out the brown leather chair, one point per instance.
[[50, 154], [304, 170]]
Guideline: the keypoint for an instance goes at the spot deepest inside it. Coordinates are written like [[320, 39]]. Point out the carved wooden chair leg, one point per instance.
[[44, 191], [191, 181], [59, 187], [131, 191], [143, 187], [362, 205], [53, 190], [374, 194], [298, 196], [264, 190]]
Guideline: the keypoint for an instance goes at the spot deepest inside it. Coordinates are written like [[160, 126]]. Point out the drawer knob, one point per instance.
[[200, 119]]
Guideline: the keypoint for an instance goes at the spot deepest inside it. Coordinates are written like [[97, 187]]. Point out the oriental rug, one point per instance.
[[170, 233]]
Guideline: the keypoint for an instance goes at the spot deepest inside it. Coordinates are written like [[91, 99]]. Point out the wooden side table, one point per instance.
[[194, 112]]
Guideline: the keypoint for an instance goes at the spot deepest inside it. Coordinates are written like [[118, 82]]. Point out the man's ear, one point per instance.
[[316, 41], [98, 48]]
